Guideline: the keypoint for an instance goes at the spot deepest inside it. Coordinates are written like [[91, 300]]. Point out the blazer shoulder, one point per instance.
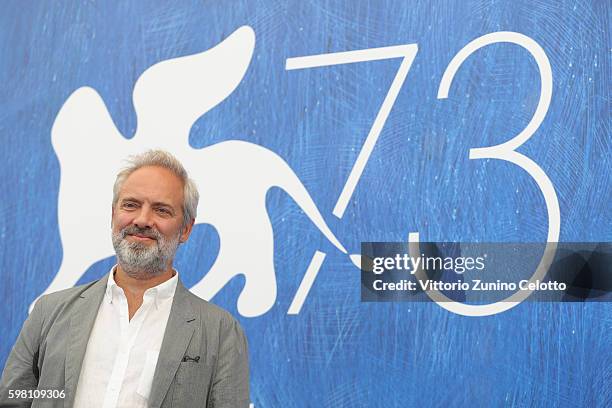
[[65, 296], [212, 313]]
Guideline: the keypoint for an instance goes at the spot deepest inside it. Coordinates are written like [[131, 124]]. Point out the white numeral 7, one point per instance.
[[407, 52]]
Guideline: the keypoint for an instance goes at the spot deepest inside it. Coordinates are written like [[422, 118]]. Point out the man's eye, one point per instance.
[[164, 211], [129, 205]]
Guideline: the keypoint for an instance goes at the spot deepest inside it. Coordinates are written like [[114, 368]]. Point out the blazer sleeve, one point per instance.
[[230, 383], [21, 369]]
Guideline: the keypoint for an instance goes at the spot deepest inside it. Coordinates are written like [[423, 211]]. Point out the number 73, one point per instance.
[[505, 151]]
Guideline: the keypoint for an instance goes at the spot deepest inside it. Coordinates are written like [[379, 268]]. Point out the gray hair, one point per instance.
[[166, 160]]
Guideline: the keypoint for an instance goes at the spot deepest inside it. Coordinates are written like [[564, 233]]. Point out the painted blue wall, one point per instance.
[[339, 352]]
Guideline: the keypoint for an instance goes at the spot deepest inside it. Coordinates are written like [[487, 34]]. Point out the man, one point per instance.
[[137, 337]]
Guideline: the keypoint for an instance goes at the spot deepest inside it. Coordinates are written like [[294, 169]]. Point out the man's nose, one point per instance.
[[144, 219]]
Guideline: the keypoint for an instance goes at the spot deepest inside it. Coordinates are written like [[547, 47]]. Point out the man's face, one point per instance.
[[148, 221]]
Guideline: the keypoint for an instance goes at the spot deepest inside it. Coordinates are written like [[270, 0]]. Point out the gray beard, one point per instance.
[[142, 261]]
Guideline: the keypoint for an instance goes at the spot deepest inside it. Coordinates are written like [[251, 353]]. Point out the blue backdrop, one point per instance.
[[338, 351]]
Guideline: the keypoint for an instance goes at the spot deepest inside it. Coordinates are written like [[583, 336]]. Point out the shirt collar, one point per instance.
[[159, 293]]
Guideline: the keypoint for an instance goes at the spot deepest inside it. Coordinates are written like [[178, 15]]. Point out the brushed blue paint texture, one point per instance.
[[339, 352]]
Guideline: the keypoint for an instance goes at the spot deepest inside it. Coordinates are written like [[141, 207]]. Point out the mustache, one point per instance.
[[144, 232]]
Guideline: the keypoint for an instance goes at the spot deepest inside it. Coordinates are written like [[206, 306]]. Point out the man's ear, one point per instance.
[[186, 231]]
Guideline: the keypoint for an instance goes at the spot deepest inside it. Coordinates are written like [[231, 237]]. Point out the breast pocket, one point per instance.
[[146, 377], [190, 372]]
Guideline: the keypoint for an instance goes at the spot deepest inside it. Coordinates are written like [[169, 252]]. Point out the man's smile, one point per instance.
[[138, 237]]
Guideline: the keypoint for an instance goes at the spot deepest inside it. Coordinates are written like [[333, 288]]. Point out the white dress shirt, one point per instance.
[[122, 354]]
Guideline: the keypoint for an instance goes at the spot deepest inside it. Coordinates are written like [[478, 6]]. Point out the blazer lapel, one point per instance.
[[179, 330], [81, 324]]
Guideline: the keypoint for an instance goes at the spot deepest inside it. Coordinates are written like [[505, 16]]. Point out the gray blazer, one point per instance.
[[51, 346]]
